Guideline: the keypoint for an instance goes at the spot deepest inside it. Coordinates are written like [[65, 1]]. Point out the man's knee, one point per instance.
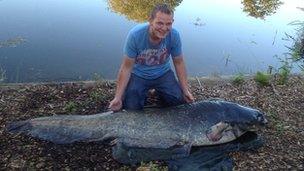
[[133, 100]]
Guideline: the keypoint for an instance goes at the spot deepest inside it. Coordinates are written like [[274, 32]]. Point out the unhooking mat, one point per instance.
[[185, 158]]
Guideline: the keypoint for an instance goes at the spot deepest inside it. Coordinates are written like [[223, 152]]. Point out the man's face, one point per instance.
[[161, 25]]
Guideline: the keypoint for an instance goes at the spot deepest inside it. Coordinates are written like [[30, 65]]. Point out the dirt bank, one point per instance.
[[283, 105]]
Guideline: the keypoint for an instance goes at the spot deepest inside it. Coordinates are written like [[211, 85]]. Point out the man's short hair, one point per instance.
[[164, 8]]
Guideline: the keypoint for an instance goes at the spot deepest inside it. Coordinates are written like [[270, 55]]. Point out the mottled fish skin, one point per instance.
[[198, 124]]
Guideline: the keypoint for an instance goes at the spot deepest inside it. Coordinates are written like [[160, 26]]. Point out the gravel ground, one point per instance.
[[283, 105]]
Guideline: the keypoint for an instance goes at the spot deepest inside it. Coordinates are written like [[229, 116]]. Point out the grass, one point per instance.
[[297, 49], [70, 107], [238, 79], [97, 77], [96, 96], [277, 123], [284, 71], [150, 166], [262, 78]]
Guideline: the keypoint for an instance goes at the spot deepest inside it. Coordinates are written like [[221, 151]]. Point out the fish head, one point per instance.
[[246, 118], [234, 120]]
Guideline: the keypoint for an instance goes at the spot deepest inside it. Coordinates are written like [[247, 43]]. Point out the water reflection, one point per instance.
[[12, 42], [138, 10], [71, 40], [2, 74], [261, 8], [300, 8]]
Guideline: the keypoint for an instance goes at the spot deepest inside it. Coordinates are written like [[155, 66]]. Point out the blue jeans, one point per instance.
[[166, 87]]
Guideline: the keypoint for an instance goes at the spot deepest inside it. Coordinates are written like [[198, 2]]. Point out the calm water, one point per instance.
[[66, 40]]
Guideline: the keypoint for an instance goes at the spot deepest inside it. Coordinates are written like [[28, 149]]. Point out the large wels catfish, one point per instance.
[[198, 124]]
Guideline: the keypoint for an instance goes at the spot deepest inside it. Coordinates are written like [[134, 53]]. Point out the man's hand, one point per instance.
[[122, 81], [182, 77], [115, 104], [188, 97]]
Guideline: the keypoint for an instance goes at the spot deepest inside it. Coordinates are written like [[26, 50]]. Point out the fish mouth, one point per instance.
[[260, 122], [217, 131], [261, 119], [232, 130]]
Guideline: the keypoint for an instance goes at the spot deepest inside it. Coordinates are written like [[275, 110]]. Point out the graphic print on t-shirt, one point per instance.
[[152, 57]]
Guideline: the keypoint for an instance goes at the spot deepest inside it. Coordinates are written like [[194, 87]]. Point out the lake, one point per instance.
[[70, 40]]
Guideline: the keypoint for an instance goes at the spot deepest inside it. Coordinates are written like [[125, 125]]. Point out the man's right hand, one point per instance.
[[122, 81], [115, 104]]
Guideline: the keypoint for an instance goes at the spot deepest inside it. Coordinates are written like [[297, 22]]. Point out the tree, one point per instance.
[[138, 10], [261, 8]]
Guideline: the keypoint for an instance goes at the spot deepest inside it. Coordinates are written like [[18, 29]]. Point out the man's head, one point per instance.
[[161, 20]]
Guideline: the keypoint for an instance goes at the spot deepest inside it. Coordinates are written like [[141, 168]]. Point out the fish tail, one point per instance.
[[18, 127]]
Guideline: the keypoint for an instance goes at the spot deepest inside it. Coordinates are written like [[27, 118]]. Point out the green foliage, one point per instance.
[[277, 123], [125, 168], [284, 72], [138, 10], [70, 107], [238, 79], [262, 78], [261, 8], [96, 96], [297, 49], [97, 77], [151, 167]]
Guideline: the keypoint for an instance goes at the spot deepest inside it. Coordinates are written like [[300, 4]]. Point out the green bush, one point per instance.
[[238, 79], [262, 78], [284, 72]]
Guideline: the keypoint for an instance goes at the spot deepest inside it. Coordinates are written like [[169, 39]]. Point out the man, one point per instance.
[[146, 64]]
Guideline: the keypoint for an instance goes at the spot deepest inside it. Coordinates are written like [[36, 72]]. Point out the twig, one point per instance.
[[199, 83]]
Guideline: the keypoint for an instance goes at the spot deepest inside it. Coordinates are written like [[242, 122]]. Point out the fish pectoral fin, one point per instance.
[[213, 136], [215, 133]]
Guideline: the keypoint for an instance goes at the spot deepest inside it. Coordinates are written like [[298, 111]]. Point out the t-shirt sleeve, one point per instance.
[[129, 47], [176, 48]]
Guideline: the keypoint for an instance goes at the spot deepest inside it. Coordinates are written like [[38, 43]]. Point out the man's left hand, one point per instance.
[[188, 97]]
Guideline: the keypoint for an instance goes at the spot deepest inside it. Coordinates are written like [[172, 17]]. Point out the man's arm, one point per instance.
[[122, 81], [181, 73]]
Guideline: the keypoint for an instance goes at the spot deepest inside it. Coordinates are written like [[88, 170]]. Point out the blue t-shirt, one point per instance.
[[151, 61]]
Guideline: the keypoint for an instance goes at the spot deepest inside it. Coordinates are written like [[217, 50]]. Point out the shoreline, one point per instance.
[[282, 104]]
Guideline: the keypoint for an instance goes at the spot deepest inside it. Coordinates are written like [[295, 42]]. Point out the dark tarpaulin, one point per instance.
[[185, 158]]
